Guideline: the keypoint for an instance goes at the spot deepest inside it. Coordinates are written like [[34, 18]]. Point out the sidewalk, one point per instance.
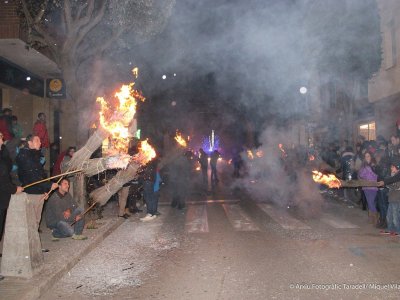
[[62, 256]]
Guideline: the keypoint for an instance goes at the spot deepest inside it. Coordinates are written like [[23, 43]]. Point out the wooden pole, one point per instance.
[[52, 177], [85, 212]]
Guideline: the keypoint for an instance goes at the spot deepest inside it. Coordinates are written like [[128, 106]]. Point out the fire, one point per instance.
[[146, 153], [116, 115], [181, 141], [135, 72], [250, 154], [328, 179]]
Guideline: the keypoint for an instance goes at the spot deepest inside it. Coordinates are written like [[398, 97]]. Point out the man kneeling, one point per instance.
[[62, 211]]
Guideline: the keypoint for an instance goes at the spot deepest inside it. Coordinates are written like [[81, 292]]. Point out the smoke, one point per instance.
[[244, 62], [281, 176]]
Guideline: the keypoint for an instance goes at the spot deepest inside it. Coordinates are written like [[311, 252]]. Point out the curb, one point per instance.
[[45, 285]]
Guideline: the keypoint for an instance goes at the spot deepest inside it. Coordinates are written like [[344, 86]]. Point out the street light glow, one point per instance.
[[303, 90], [164, 77], [28, 78]]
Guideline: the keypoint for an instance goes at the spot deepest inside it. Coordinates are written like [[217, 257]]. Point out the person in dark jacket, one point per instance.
[[31, 170], [213, 163], [7, 188], [393, 184], [62, 211], [150, 197], [383, 171], [179, 173], [203, 160]]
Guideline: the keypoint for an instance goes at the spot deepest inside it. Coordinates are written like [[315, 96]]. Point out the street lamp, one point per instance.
[[303, 90]]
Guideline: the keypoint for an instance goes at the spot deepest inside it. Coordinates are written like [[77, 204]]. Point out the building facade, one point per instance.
[[384, 87]]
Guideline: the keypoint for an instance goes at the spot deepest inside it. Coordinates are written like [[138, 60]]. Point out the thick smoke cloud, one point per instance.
[[259, 54]]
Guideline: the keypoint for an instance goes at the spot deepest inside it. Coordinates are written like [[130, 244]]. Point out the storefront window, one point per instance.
[[368, 130]]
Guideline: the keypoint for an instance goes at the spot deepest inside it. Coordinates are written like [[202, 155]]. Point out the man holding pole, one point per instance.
[[62, 211], [31, 170]]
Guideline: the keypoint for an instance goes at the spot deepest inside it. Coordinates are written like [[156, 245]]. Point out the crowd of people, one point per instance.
[[377, 161], [22, 161]]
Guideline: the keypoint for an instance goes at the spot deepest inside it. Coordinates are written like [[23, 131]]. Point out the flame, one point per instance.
[[328, 179], [250, 154], [181, 141], [259, 153], [198, 167], [282, 150], [146, 153], [135, 72], [116, 117]]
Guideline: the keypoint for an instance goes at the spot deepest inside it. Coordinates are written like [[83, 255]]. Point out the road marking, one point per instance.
[[196, 219], [238, 218], [210, 201], [337, 222], [282, 217]]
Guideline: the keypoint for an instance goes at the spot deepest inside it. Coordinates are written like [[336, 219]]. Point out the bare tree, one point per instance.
[[79, 35]]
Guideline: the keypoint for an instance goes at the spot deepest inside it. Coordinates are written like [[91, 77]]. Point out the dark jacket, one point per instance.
[[56, 206], [30, 170], [6, 186], [5, 157], [150, 171]]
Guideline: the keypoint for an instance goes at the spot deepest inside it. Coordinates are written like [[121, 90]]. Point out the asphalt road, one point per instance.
[[228, 247]]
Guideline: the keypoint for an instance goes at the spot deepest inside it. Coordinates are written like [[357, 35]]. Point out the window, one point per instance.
[[368, 130]]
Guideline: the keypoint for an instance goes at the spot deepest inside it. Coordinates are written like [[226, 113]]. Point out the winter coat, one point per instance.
[[40, 130], [57, 164], [6, 127], [5, 157], [366, 173], [6, 186], [30, 170], [56, 206]]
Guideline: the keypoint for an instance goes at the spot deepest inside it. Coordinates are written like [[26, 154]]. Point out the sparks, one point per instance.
[[181, 141]]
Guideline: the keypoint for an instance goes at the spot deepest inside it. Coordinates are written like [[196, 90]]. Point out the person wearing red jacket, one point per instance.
[[40, 130], [6, 124]]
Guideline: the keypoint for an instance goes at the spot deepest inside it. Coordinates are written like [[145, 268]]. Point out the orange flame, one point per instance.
[[135, 72], [330, 180], [181, 141], [250, 154], [146, 153], [282, 150], [116, 118]]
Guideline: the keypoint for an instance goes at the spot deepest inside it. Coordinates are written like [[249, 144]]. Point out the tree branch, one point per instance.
[[86, 29], [50, 42], [67, 15], [81, 9], [99, 50], [82, 21], [41, 12]]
